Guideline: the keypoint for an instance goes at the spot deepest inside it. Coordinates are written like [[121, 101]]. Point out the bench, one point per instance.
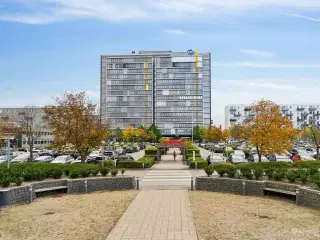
[[49, 191], [279, 191]]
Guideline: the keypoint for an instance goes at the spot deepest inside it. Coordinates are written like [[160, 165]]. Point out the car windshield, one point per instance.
[[60, 159]]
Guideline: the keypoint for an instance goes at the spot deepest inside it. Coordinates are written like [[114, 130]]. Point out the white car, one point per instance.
[[256, 158], [215, 159], [282, 158], [120, 150], [237, 159], [239, 153], [306, 158], [3, 158], [64, 159], [21, 158], [44, 159]]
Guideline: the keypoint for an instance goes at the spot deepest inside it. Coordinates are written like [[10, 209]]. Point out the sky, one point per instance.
[[260, 48]]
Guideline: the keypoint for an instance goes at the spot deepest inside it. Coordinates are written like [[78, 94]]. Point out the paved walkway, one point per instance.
[[157, 215]]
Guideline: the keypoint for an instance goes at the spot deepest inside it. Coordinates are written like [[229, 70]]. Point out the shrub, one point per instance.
[[57, 173], [313, 171], [122, 171], [74, 173], [316, 179], [291, 176], [220, 169], [18, 180], [279, 174], [231, 170], [258, 172], [151, 151], [104, 171], [208, 170], [108, 163], [269, 172], [114, 172], [307, 164], [144, 162], [247, 173], [5, 181], [84, 173], [200, 164], [94, 171], [303, 175]]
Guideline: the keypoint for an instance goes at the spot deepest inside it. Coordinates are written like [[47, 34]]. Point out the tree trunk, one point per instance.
[[31, 148], [83, 157], [259, 154]]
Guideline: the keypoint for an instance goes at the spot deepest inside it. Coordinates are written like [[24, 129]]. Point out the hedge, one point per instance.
[[151, 151], [307, 164], [136, 164], [200, 164], [190, 151], [264, 165]]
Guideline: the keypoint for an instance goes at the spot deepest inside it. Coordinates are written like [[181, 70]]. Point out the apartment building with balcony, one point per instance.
[[301, 115], [170, 89]]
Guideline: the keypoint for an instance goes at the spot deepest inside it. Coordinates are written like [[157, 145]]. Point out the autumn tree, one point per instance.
[[141, 134], [74, 120], [225, 134], [269, 131], [213, 134], [312, 133], [238, 132], [129, 134]]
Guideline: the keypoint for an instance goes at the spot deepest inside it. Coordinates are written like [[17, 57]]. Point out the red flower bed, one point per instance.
[[172, 143]]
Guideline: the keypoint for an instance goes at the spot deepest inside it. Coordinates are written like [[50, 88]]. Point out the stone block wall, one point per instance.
[[20, 194], [306, 197], [309, 197]]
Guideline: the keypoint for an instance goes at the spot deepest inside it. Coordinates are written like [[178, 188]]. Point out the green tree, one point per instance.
[[153, 130], [198, 132], [118, 133]]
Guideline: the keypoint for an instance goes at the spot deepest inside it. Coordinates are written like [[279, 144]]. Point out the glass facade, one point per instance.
[[172, 90]]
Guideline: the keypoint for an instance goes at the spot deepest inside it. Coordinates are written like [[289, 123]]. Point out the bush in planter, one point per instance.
[[57, 173], [313, 171], [231, 170], [279, 174], [123, 170], [247, 173], [307, 164], [104, 171], [316, 179], [84, 173], [200, 164], [18, 180], [221, 169], [269, 172], [292, 175], [5, 181], [109, 163], [303, 175], [74, 173], [94, 171], [209, 170], [258, 172], [151, 151], [114, 172]]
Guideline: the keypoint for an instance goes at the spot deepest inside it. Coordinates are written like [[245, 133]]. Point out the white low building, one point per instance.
[[301, 115]]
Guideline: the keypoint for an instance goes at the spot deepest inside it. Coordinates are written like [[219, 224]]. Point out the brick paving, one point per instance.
[[157, 215]]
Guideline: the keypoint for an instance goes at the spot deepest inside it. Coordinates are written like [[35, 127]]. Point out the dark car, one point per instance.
[[129, 150], [111, 154], [125, 158], [293, 152], [97, 159], [218, 149]]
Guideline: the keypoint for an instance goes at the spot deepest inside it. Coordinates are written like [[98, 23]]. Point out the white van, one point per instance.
[[21, 158]]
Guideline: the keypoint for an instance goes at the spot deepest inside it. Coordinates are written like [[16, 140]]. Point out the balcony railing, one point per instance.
[[304, 114], [247, 109], [311, 109], [300, 108], [237, 115], [233, 120]]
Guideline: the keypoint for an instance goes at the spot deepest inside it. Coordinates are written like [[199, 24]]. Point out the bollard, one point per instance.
[[243, 188], [297, 196], [137, 183], [142, 165], [30, 193], [196, 164], [86, 186], [191, 183]]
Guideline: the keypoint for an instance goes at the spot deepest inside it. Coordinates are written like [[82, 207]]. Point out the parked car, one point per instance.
[[120, 150], [294, 152], [255, 158], [239, 153], [213, 159], [306, 158], [112, 154], [129, 150], [281, 158], [64, 159], [3, 158], [218, 149], [21, 158], [97, 159], [237, 159], [45, 159], [125, 158]]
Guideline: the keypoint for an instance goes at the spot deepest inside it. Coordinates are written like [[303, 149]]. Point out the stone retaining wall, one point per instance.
[[305, 197], [20, 194]]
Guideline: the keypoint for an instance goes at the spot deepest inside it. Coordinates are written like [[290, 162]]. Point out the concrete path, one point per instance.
[[157, 215]]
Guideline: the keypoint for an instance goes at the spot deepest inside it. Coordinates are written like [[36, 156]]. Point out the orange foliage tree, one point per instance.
[[268, 131], [141, 134], [238, 132], [129, 134], [213, 134], [74, 120]]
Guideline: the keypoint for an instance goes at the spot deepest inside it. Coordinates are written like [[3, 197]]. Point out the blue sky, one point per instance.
[[260, 48]]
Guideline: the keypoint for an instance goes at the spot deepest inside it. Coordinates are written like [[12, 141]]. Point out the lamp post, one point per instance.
[[192, 124]]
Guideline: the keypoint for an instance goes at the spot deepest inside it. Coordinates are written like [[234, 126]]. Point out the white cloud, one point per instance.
[[303, 17], [49, 11], [176, 32], [259, 53], [265, 65]]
